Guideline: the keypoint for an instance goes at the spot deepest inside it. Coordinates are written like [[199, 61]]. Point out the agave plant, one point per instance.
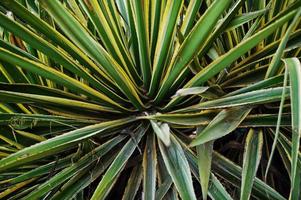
[[152, 99]]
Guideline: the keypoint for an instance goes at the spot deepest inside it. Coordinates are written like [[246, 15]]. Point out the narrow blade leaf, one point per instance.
[[224, 123], [252, 155], [178, 168]]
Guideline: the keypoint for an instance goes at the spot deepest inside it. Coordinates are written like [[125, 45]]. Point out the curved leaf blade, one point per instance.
[[252, 156], [178, 168], [224, 123], [294, 67]]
